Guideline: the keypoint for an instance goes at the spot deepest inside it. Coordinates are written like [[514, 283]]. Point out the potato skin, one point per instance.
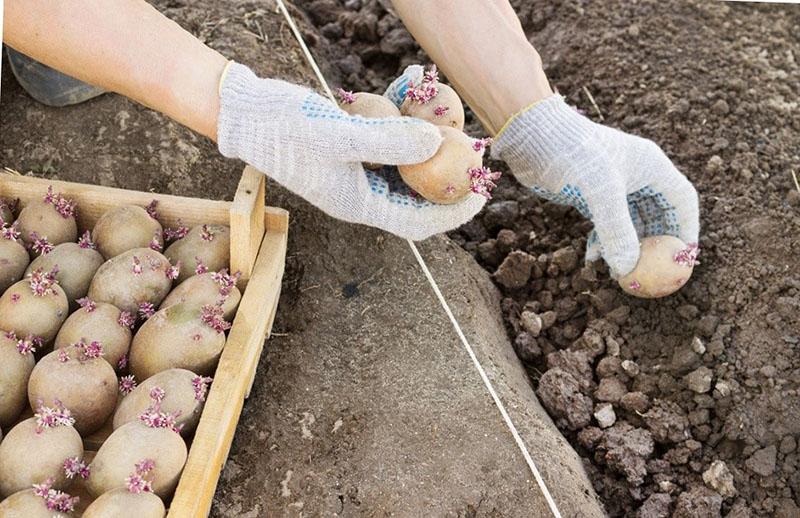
[[100, 324], [26, 504], [133, 443], [199, 290], [116, 283], [13, 261], [124, 228], [179, 395], [447, 170], [120, 502], [175, 337], [41, 217], [448, 99], [76, 267], [28, 458], [657, 274], [215, 253], [27, 314], [88, 388], [15, 370]]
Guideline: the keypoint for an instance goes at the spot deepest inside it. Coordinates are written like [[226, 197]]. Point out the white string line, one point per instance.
[[486, 381]]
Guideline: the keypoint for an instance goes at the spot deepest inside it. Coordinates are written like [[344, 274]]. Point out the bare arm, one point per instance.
[[480, 46], [125, 46]]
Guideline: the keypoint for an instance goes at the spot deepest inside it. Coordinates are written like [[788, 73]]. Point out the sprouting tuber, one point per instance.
[[127, 227], [78, 377], [127, 501], [665, 264], [40, 501], [35, 306], [453, 172], [456, 170], [207, 288], [41, 447], [184, 395], [75, 263], [179, 336], [138, 276], [99, 322], [206, 245], [153, 439], [13, 256], [16, 364], [434, 102], [47, 222]]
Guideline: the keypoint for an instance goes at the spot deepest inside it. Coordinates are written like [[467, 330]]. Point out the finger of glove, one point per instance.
[[374, 202], [678, 198], [396, 92], [612, 222], [594, 248], [390, 140]]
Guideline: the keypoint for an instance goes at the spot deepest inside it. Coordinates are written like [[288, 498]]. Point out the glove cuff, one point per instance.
[[534, 138]]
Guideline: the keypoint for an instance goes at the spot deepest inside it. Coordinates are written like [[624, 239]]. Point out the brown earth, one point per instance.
[[712, 373]]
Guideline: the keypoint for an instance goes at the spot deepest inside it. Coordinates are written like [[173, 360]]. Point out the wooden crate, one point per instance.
[[258, 250]]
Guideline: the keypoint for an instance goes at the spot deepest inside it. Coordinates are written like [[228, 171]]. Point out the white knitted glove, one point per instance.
[[315, 149], [625, 184]]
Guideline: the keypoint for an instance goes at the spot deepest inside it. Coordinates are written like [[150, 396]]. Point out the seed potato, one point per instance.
[[124, 228], [28, 457], [100, 322], [27, 504], [120, 502], [665, 264], [210, 244], [43, 218], [13, 261], [136, 276], [76, 268], [82, 381], [35, 306], [130, 444], [444, 109], [200, 290], [15, 370]]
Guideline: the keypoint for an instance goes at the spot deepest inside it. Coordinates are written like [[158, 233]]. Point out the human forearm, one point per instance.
[[125, 46], [480, 46]]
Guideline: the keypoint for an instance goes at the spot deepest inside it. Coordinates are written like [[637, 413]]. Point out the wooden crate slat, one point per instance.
[[217, 425], [94, 200], [247, 223]]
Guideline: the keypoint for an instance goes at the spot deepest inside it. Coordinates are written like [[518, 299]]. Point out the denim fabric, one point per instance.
[[47, 85]]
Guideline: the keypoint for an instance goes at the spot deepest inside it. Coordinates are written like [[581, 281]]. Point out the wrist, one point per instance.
[[522, 85]]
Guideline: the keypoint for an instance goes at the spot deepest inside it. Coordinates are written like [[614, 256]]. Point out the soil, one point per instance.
[[684, 406]]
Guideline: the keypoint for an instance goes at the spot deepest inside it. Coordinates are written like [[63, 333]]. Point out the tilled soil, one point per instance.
[[685, 406]]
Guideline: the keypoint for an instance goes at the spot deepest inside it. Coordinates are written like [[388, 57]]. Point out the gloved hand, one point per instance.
[[625, 184], [313, 148]]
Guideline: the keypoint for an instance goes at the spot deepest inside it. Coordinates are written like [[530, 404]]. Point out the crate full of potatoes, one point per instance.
[[131, 325]]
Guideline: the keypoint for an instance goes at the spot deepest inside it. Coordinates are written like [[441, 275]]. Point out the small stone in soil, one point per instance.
[[719, 478], [531, 322], [699, 380], [698, 346], [604, 414]]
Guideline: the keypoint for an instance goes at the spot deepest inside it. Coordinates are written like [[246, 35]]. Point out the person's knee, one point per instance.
[[47, 85]]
